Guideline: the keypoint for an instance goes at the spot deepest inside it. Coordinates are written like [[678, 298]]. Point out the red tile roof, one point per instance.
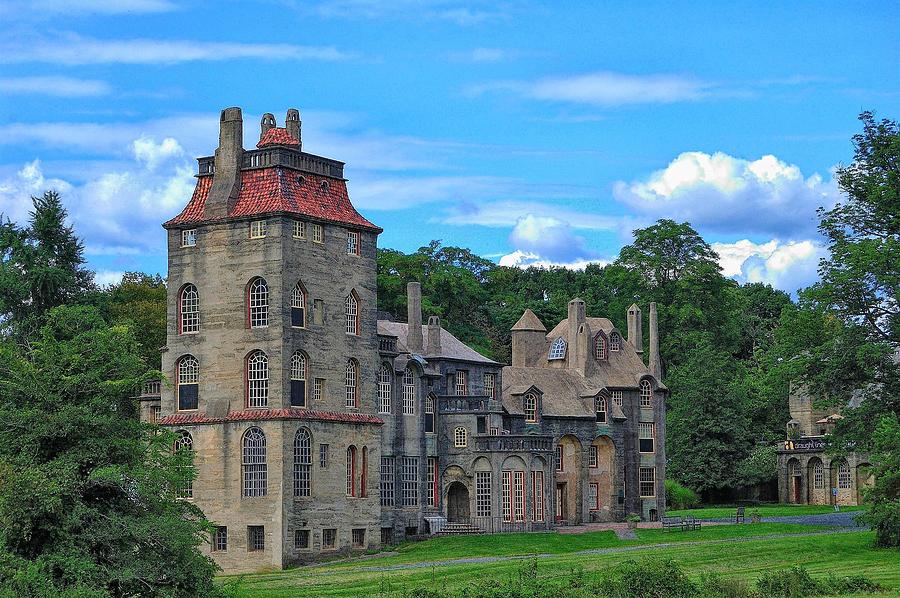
[[277, 136], [278, 189], [269, 414]]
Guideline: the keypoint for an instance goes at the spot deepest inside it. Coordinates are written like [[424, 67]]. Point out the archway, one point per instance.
[[795, 481], [457, 502], [817, 488]]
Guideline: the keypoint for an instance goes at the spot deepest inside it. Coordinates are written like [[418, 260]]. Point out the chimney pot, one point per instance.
[[292, 124], [266, 123], [434, 335]]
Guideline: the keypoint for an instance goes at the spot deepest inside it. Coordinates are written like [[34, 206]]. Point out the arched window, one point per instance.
[[298, 306], [600, 407], [351, 310], [558, 349], [253, 462], [258, 303], [184, 444], [460, 437], [818, 475], [429, 414], [188, 382], [843, 475], [409, 392], [363, 471], [351, 381], [646, 395], [302, 462], [529, 406], [384, 389], [600, 350], [189, 310], [257, 379], [615, 341], [298, 379], [351, 470]]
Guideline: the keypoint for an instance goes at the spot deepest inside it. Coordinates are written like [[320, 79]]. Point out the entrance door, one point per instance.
[[458, 502], [560, 502], [795, 483]]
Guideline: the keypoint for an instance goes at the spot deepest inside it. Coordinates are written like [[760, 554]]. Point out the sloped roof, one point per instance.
[[267, 414], [529, 321], [451, 347], [561, 390], [277, 136]]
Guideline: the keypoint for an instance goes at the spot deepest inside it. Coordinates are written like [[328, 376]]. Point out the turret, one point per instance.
[[528, 340]]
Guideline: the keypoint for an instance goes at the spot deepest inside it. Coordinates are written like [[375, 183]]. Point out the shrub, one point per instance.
[[646, 579], [834, 585], [680, 497], [787, 583], [714, 585]]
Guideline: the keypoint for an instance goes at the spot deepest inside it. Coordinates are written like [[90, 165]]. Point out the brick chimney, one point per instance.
[[226, 183]]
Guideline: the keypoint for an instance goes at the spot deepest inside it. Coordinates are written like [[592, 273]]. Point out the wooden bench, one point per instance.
[[691, 524], [739, 515], [671, 523]]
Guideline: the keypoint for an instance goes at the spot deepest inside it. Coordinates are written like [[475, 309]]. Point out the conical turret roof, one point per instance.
[[529, 321]]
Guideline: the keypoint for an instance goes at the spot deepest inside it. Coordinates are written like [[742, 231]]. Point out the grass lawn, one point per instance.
[[709, 549], [764, 511]]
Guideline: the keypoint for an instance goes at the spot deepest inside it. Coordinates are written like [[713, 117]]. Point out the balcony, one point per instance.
[[387, 344], [454, 404], [514, 443], [150, 391]]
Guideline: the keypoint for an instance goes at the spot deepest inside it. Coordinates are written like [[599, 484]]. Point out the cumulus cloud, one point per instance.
[[721, 193], [543, 242], [148, 152], [788, 266], [523, 259], [53, 86], [506, 213]]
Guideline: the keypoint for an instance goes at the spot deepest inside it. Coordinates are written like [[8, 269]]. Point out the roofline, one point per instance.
[[169, 224]]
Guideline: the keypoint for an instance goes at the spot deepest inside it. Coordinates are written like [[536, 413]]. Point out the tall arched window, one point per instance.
[[298, 306], [646, 394], [253, 462], [351, 382], [384, 389], [188, 310], [257, 379], [529, 406], [600, 408], [460, 437], [429, 414], [363, 471], [818, 475], [258, 303], [351, 310], [558, 349], [188, 382], [615, 341], [302, 462], [600, 349], [351, 470], [843, 475], [409, 392], [184, 444], [298, 379]]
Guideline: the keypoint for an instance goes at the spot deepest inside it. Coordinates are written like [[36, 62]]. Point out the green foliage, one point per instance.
[[140, 300], [680, 497], [796, 582], [648, 578], [760, 466], [884, 497]]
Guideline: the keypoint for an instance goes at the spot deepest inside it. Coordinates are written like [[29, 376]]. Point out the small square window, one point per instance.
[[257, 229], [323, 456], [301, 539], [189, 237], [329, 539], [352, 243], [220, 539], [299, 229], [359, 537], [318, 389], [256, 538], [318, 234]]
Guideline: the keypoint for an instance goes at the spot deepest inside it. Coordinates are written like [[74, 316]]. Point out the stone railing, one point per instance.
[[525, 443], [387, 344], [279, 156], [452, 404]]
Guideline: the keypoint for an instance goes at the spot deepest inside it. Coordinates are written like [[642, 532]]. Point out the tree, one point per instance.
[[140, 299], [884, 512]]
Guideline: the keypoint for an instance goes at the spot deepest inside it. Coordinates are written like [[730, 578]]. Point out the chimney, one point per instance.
[[267, 123], [414, 317], [578, 350], [529, 340], [292, 124], [226, 183], [655, 364], [635, 328], [434, 335]]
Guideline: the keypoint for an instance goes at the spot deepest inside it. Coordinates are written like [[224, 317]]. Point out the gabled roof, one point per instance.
[[277, 136], [451, 347], [529, 321], [560, 389]]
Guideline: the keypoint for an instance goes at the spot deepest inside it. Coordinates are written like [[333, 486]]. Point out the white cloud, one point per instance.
[[16, 191], [53, 86], [506, 213], [786, 266], [72, 49], [486, 55], [147, 151], [108, 277], [522, 259], [547, 237], [722, 193]]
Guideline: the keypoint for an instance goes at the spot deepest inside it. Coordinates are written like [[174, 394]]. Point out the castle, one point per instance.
[[317, 428]]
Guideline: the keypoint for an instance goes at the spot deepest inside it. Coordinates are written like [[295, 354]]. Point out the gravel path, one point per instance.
[[836, 519]]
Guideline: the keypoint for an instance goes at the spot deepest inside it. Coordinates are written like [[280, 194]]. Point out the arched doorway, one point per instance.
[[795, 481], [457, 502]]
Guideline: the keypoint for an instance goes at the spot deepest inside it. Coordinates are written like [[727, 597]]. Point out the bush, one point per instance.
[[852, 584], [646, 579], [714, 585], [680, 497], [787, 583]]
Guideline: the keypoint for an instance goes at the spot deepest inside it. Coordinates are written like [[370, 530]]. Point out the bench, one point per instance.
[[671, 523], [691, 524], [739, 515]]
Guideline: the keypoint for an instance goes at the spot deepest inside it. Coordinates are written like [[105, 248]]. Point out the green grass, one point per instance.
[[764, 511], [840, 553]]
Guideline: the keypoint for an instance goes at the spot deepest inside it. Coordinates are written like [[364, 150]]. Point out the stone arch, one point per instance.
[[816, 482], [794, 481], [603, 449], [456, 491], [842, 479], [567, 498], [865, 478]]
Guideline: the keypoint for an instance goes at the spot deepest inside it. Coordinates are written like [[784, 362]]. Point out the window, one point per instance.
[[351, 471], [386, 485], [301, 538], [648, 481], [537, 496], [351, 310], [409, 481], [384, 389], [189, 310], [329, 539], [409, 392], [318, 234], [253, 461], [529, 405], [188, 383], [189, 237], [220, 539], [558, 349], [843, 475], [154, 413], [490, 385], [184, 445], [299, 229], [594, 496], [482, 494], [302, 462], [387, 535], [460, 437], [429, 414], [646, 395], [506, 495], [559, 458], [323, 456], [257, 229], [358, 537], [258, 303], [480, 424], [298, 380], [462, 383], [351, 378], [600, 407], [646, 434], [494, 431], [256, 538], [600, 352], [594, 460], [818, 475], [257, 380], [364, 473], [318, 385], [617, 398], [298, 306], [615, 341], [352, 243], [432, 473], [519, 495]]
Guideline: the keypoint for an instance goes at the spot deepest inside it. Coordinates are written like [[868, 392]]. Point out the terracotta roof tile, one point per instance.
[[269, 414], [277, 136]]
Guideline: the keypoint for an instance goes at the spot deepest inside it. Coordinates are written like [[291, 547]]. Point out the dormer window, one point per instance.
[[601, 351], [257, 229], [557, 349], [615, 341], [529, 406], [189, 237], [600, 408]]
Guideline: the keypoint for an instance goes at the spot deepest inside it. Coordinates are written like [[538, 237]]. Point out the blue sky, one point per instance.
[[530, 132]]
